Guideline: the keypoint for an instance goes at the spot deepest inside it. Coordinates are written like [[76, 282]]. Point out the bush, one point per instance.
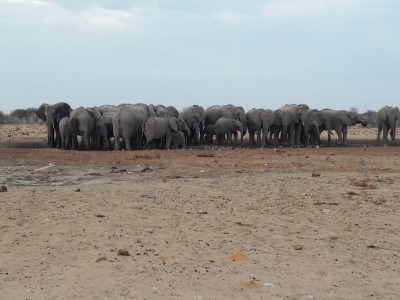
[[370, 117], [24, 116], [3, 118]]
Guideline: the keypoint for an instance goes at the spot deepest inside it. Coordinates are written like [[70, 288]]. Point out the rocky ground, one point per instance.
[[289, 223]]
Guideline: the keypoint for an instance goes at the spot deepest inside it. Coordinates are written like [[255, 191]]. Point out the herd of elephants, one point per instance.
[[138, 126]]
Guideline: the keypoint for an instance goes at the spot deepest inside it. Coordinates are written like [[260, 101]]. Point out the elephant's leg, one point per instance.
[[86, 141], [229, 138], [291, 134], [116, 143], [168, 140], [139, 144], [235, 134], [196, 136], [378, 137], [297, 133], [345, 135], [50, 135], [128, 142], [258, 136], [251, 137], [385, 133], [202, 134], [339, 132], [58, 137]]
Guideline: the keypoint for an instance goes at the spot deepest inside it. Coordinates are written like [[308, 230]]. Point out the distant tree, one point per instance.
[[354, 109], [370, 117], [3, 118], [24, 116]]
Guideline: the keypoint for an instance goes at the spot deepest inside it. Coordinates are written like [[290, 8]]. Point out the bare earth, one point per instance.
[[199, 224]]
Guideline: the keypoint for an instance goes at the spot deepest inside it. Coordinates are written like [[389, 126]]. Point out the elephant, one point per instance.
[[65, 133], [104, 125], [162, 128], [316, 122], [228, 126], [193, 116], [209, 132], [213, 113], [82, 122], [128, 123], [259, 121], [292, 117], [52, 114], [178, 140], [387, 118], [339, 120]]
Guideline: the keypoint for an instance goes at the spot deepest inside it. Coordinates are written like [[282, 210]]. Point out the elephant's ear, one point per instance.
[[173, 124], [97, 113], [40, 112], [152, 111], [346, 120]]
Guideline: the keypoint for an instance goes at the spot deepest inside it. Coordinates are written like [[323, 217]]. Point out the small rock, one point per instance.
[[298, 247], [3, 189], [78, 190], [46, 170], [123, 252], [326, 210], [351, 193], [145, 169], [202, 212], [101, 258], [100, 215], [315, 174]]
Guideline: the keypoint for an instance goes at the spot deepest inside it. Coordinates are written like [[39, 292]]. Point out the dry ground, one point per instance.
[[199, 224]]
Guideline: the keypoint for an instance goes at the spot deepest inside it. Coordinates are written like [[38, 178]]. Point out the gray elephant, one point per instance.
[[194, 116], [178, 140], [339, 120], [227, 126], [292, 117], [387, 118], [52, 114], [317, 122], [213, 113], [82, 122], [104, 125], [65, 134], [128, 124], [157, 128], [209, 132], [260, 121]]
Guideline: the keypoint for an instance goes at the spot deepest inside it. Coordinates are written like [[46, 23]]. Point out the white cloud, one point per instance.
[[230, 17], [287, 9], [99, 18]]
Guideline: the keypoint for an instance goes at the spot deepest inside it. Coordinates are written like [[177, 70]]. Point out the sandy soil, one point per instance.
[[199, 224]]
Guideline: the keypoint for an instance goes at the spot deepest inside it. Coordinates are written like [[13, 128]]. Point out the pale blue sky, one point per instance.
[[326, 53]]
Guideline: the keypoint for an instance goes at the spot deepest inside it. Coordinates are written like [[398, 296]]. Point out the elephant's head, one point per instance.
[[183, 127], [351, 118], [178, 125], [40, 112], [240, 114]]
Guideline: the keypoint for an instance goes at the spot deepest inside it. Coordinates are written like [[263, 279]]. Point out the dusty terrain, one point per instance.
[[199, 224]]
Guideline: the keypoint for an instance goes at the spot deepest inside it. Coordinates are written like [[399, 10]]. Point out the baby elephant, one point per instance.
[[162, 128], [228, 126]]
